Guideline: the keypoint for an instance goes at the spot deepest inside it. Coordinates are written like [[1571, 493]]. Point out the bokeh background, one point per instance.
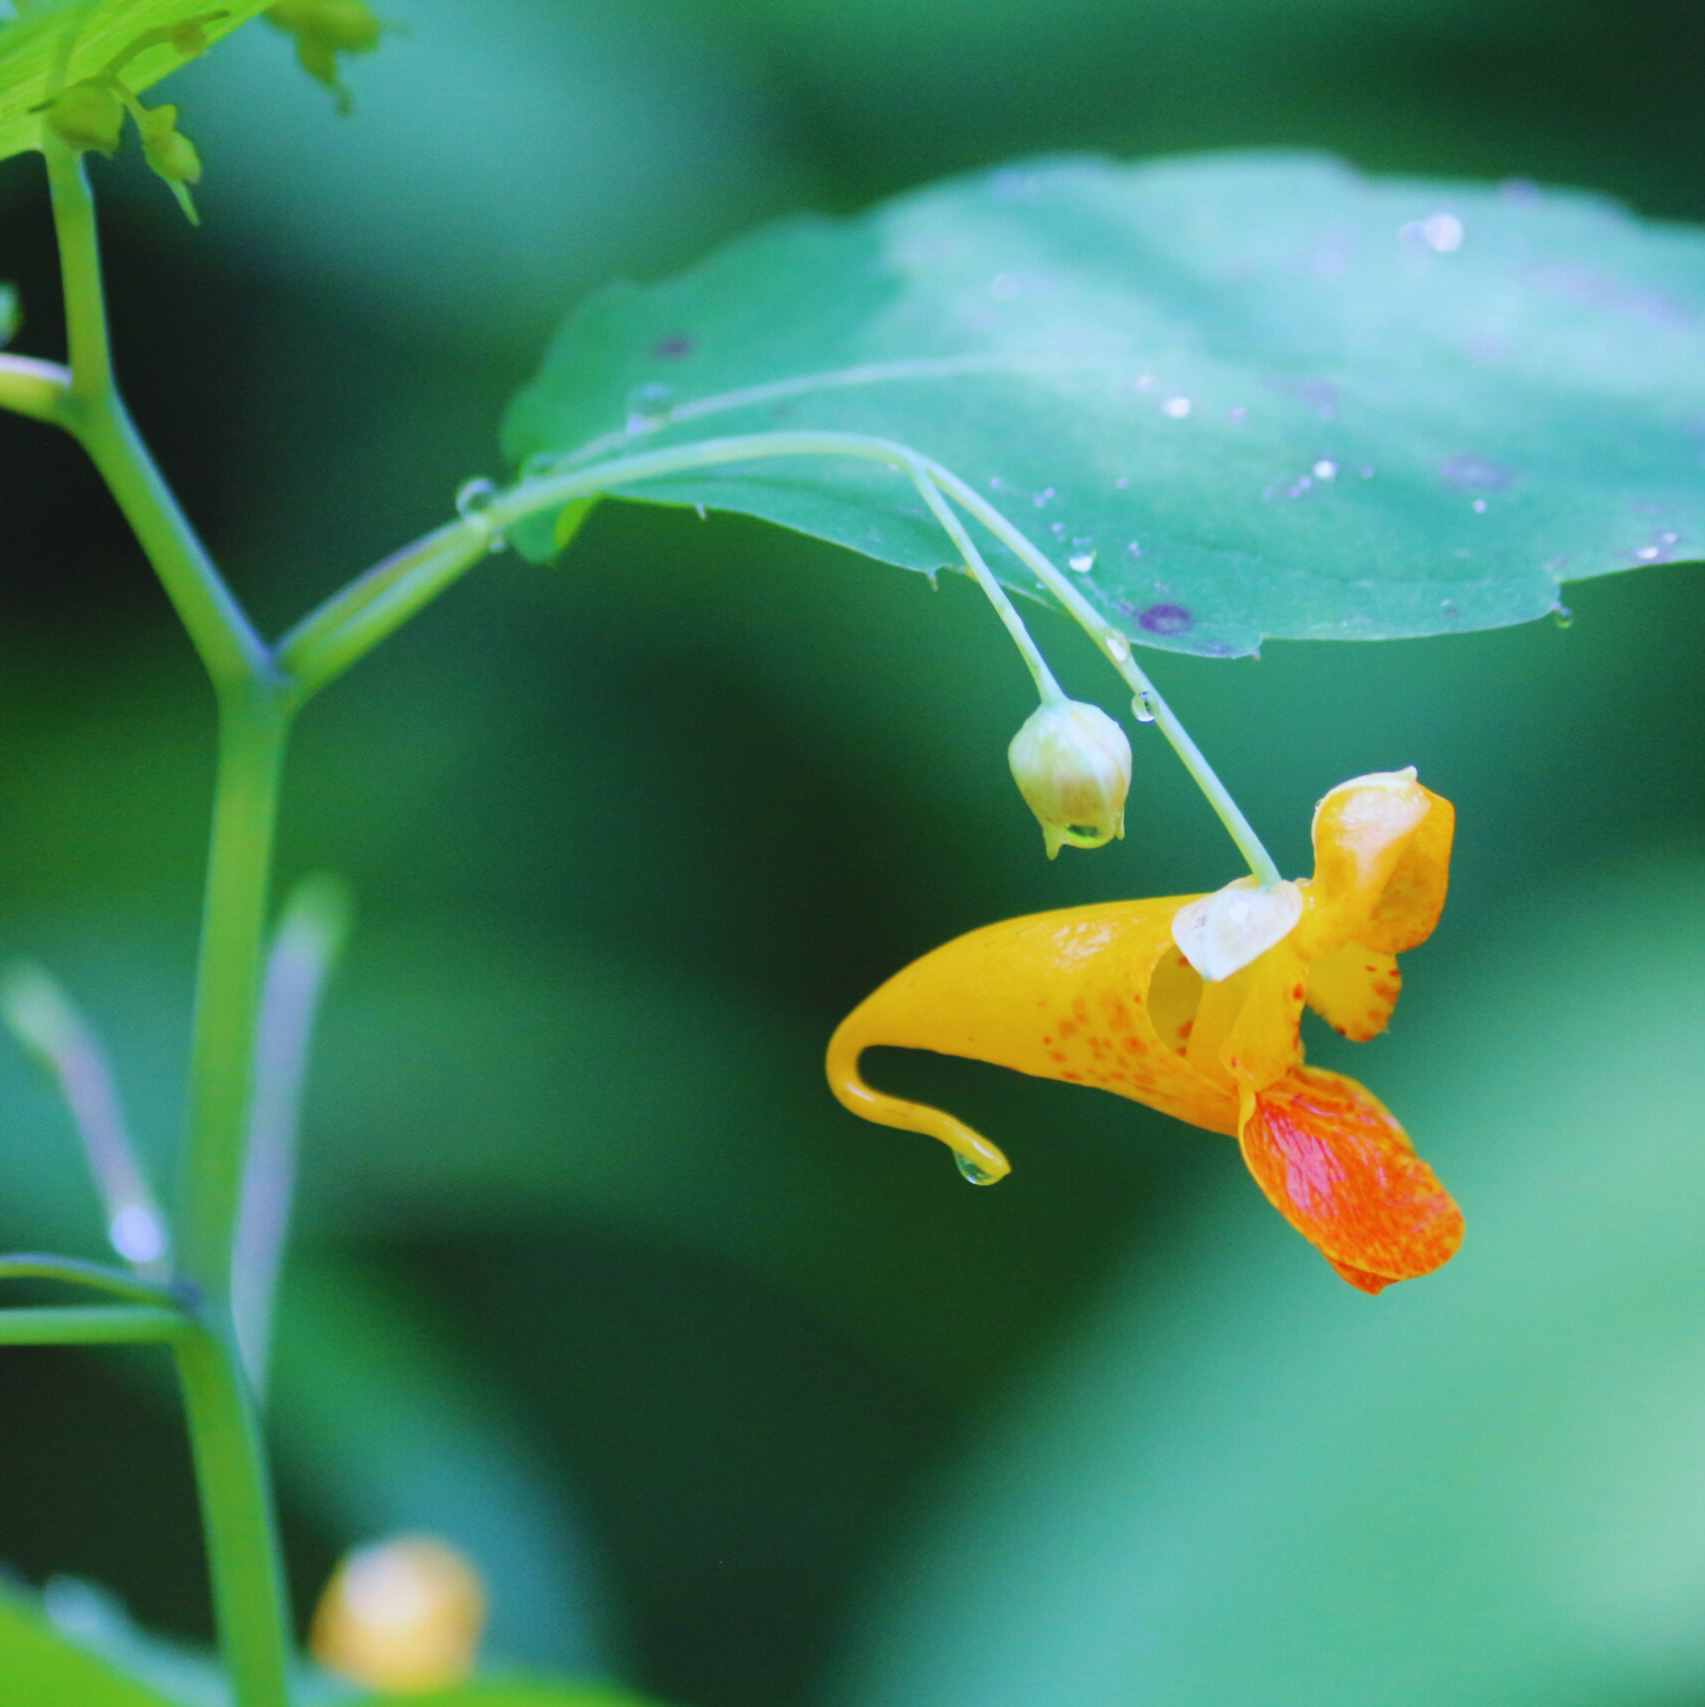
[[733, 1397]]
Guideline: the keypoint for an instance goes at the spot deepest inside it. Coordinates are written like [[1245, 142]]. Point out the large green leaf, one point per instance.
[[1248, 395], [40, 1668], [59, 42]]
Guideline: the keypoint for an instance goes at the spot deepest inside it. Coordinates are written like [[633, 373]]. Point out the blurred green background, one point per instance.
[[730, 1395]]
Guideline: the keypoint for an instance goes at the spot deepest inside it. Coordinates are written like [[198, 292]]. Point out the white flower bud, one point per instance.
[[1072, 764]]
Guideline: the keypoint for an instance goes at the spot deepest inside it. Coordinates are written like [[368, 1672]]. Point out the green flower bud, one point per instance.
[[1072, 764], [88, 115], [170, 153], [323, 29]]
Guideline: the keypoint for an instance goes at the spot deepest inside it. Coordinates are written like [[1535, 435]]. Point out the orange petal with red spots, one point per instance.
[[1355, 990], [1339, 1168]]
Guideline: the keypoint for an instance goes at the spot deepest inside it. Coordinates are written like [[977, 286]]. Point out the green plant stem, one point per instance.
[[90, 1324], [993, 591], [253, 731], [34, 388], [237, 1515], [236, 1497], [28, 1265], [351, 623], [95, 413]]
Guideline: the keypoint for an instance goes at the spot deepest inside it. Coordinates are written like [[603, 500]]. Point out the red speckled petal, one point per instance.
[[1336, 1165]]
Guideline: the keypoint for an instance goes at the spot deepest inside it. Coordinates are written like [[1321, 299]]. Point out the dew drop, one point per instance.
[[1081, 561], [1056, 528], [1479, 506], [975, 1174], [649, 407], [1176, 407], [1135, 549], [137, 1234], [1118, 646], [1562, 616], [1325, 469], [1042, 498], [1142, 708], [473, 499]]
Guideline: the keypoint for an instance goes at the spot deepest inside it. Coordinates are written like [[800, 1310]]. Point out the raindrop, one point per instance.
[[1562, 616], [473, 499], [1134, 549], [975, 1174], [1325, 469], [1647, 554], [1479, 506], [1142, 707], [1081, 561], [1118, 646], [649, 407], [1056, 527], [1475, 473], [1043, 497], [1441, 232], [137, 1234], [1448, 606], [1176, 407]]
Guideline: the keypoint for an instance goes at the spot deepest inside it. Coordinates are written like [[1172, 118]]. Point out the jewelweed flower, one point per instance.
[[1104, 995]]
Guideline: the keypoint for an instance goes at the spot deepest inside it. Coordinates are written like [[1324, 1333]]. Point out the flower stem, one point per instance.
[[349, 624], [237, 1515], [90, 1324], [231, 1475]]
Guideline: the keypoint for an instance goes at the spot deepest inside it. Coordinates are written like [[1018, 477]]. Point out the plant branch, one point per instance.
[[305, 949], [93, 410], [35, 388], [91, 1324], [28, 1265]]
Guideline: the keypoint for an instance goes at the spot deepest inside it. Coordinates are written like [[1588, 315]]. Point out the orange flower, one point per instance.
[[1105, 996]]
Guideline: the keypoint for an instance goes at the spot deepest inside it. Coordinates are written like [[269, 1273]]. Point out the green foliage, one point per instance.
[[57, 43], [40, 1667], [1247, 396], [520, 1694]]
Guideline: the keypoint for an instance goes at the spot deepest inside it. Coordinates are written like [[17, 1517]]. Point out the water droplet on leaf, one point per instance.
[[649, 407], [1563, 617], [1176, 407], [1081, 561]]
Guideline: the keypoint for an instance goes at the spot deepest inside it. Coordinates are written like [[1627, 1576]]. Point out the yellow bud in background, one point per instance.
[[401, 1617], [88, 115], [1072, 764]]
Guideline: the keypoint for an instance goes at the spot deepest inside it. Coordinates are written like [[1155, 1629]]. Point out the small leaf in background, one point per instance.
[[1245, 396], [65, 41]]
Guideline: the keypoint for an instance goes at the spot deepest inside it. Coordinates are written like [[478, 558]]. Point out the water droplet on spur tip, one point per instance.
[[976, 1175]]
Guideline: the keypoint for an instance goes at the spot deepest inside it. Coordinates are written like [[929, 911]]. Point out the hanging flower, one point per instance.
[[1106, 996]]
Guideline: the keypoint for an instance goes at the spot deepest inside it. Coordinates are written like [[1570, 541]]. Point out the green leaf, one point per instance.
[[539, 1693], [59, 42], [1248, 395], [41, 1667]]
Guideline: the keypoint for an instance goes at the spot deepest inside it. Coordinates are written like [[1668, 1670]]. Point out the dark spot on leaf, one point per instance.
[[1475, 473], [1320, 395], [673, 347], [1165, 619]]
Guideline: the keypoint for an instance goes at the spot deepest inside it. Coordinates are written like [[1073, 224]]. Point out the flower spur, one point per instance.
[[1106, 996]]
